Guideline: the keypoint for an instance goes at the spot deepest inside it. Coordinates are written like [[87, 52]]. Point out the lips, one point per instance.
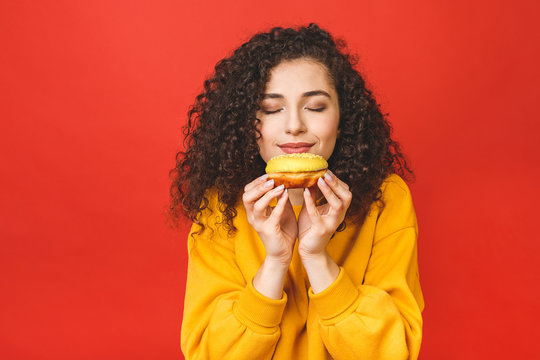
[[299, 147]]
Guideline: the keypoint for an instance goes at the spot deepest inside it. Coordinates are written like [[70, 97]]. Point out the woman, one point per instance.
[[289, 273]]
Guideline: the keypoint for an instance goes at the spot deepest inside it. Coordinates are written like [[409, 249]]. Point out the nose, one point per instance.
[[295, 123]]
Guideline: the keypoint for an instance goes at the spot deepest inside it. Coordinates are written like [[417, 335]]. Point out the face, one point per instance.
[[299, 112]]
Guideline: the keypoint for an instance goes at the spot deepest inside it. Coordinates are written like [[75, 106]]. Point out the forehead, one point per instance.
[[294, 76]]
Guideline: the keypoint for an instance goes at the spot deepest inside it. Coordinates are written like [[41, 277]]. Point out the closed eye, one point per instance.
[[276, 111], [271, 112]]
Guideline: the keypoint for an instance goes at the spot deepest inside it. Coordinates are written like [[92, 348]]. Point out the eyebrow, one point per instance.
[[304, 95]]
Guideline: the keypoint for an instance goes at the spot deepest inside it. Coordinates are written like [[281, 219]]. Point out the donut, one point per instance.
[[298, 170]]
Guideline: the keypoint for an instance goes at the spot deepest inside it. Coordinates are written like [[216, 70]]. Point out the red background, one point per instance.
[[93, 97]]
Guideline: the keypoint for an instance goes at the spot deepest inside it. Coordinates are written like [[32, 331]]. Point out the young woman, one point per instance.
[[280, 273]]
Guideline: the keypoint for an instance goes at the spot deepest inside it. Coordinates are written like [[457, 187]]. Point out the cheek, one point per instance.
[[263, 131], [327, 132], [327, 129], [265, 140], [269, 130]]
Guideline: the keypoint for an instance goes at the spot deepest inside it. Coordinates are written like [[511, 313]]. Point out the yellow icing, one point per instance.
[[296, 162]]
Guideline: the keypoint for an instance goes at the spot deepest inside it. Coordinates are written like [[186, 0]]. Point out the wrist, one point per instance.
[[276, 265], [270, 278], [279, 261], [315, 259], [313, 248], [321, 269]]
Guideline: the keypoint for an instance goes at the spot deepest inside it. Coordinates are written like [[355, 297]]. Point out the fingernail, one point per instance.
[[269, 183], [321, 181], [279, 187], [264, 177], [328, 176]]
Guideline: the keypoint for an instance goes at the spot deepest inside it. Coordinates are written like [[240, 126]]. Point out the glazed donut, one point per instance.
[[298, 170]]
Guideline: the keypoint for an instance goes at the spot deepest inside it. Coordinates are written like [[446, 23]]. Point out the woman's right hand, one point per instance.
[[277, 227]]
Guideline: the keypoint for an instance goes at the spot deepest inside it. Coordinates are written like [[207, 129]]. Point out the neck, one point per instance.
[[296, 196]]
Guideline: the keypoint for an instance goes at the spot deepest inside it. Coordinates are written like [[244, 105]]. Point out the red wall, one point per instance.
[[92, 98]]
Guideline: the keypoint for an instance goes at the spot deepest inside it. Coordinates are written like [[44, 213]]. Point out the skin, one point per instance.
[[294, 120]]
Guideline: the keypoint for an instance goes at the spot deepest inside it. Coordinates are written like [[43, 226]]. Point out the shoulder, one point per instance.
[[394, 187], [398, 211]]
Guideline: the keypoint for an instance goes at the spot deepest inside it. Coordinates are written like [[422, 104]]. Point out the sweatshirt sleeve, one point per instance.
[[382, 317], [224, 316]]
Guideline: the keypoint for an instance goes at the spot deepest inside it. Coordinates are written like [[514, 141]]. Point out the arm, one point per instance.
[[224, 316], [381, 318]]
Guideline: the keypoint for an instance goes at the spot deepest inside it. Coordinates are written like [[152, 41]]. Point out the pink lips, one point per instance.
[[298, 147]]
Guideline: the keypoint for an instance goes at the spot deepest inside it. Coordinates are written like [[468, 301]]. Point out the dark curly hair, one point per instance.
[[221, 131]]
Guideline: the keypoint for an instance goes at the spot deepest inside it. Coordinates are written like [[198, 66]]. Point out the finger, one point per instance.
[[332, 199], [251, 196], [260, 180], [310, 205], [280, 207], [332, 179], [340, 189], [313, 191], [261, 205]]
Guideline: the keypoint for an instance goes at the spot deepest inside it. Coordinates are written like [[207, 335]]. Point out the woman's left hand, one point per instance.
[[317, 224]]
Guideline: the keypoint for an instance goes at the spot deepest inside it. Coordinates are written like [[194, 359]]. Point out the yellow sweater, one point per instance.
[[373, 310]]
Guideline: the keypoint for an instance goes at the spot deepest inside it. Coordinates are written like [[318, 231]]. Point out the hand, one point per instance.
[[276, 227], [317, 224]]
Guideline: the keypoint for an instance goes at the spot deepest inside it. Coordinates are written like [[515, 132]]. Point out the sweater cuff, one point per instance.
[[335, 299], [259, 310]]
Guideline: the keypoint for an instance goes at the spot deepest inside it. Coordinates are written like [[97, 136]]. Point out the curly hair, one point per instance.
[[221, 150]]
